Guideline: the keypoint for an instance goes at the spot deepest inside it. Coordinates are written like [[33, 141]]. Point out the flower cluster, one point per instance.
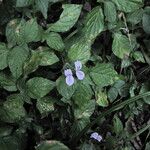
[[96, 136], [69, 75]]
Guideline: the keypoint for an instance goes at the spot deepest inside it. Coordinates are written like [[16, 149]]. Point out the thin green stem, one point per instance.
[[139, 132], [109, 111]]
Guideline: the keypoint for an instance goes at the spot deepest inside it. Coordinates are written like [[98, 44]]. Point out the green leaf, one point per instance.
[[78, 126], [121, 46], [14, 142], [117, 125], [112, 94], [45, 105], [137, 55], [32, 63], [42, 5], [83, 93], [147, 146], [103, 74], [5, 131], [110, 11], [55, 41], [87, 146], [81, 50], [63, 89], [7, 82], [3, 56], [16, 59], [47, 57], [85, 111], [13, 33], [125, 63], [23, 3], [42, 57], [146, 22], [51, 145], [20, 31], [68, 18], [128, 5], [102, 99], [12, 109], [94, 23], [135, 17], [30, 31], [38, 87], [145, 88]]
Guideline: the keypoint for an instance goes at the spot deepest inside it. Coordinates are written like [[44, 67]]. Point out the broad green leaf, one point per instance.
[[147, 146], [14, 142], [12, 109], [117, 125], [38, 87], [78, 126], [47, 57], [110, 11], [45, 105], [42, 5], [3, 56], [13, 33], [5, 131], [112, 94], [145, 88], [23, 3], [68, 18], [137, 55], [87, 146], [51, 145], [146, 22], [81, 50], [135, 17], [103, 74], [7, 82], [102, 99], [94, 23], [128, 5], [119, 84], [121, 46], [55, 41], [8, 144], [85, 111], [63, 89], [32, 63], [41, 57], [30, 31], [16, 59], [125, 63], [83, 93], [20, 31]]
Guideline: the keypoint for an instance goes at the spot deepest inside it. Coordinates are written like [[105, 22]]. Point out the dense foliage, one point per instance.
[[74, 74]]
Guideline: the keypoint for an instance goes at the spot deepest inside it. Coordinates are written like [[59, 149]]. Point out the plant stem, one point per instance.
[[139, 132]]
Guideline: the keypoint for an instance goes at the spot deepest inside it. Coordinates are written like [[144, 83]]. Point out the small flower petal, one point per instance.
[[94, 135], [80, 75], [78, 65], [69, 80], [68, 72], [99, 138]]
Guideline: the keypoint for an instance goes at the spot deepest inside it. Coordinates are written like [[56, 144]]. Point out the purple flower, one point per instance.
[[80, 74], [69, 77], [96, 136]]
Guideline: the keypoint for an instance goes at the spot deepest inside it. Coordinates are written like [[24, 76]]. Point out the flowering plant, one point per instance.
[[74, 74]]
